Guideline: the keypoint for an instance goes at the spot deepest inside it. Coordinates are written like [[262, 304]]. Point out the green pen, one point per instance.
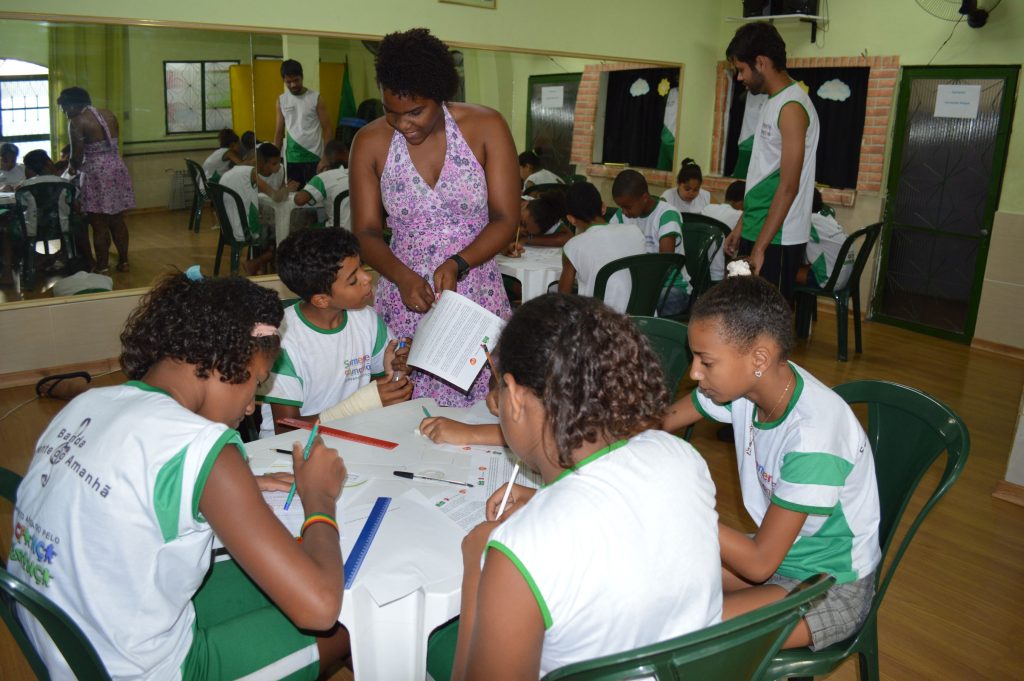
[[305, 456], [425, 412]]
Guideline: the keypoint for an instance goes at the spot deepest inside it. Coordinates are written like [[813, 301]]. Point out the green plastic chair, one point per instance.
[[47, 198], [908, 430], [199, 194], [668, 338], [221, 195], [738, 649], [700, 243], [337, 207], [649, 273], [806, 296]]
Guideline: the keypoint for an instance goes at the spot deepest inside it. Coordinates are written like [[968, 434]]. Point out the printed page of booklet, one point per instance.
[[448, 339]]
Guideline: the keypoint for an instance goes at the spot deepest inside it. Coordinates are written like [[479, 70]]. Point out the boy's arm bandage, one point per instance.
[[364, 399]]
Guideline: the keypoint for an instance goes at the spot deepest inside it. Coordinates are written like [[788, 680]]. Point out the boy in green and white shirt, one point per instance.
[[332, 341], [662, 227], [324, 189], [827, 239]]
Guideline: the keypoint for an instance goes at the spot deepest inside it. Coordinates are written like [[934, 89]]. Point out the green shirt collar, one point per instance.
[[590, 459]]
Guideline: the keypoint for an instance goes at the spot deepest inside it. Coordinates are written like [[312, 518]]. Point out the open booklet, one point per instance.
[[449, 339]]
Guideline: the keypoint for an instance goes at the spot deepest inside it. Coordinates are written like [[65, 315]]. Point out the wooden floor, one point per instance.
[[955, 609], [158, 241]]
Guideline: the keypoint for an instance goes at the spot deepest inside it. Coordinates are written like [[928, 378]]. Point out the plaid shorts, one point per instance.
[[839, 614]]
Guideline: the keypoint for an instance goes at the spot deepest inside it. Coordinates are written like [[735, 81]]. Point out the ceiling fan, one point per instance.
[[955, 10]]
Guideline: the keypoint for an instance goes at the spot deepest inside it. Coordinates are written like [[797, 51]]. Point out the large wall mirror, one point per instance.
[[174, 89]]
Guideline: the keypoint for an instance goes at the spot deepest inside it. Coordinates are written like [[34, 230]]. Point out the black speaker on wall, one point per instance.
[[757, 8], [794, 7]]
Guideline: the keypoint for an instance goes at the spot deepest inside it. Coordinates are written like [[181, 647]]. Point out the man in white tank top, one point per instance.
[[302, 121], [780, 179]]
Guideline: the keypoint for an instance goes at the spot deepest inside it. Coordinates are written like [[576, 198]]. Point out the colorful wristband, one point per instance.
[[319, 518]]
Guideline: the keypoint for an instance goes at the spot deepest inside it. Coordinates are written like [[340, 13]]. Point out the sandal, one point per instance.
[[45, 385], [122, 266]]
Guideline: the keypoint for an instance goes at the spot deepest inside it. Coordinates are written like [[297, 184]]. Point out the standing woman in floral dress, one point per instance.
[[104, 180], [447, 175]]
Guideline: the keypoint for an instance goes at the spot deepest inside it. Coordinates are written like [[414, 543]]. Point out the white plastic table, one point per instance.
[[282, 214], [389, 641], [537, 268]]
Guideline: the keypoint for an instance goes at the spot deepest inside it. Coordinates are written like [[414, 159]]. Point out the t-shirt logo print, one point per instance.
[[62, 449]]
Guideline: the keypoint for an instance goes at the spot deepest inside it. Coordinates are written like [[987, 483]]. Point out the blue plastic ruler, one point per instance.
[[366, 535]]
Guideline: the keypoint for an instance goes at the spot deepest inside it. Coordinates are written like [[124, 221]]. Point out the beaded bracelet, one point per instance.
[[319, 518]]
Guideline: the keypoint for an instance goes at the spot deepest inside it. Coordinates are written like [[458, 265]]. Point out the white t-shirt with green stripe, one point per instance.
[[763, 173], [317, 368], [827, 239], [304, 141], [662, 221], [107, 526], [324, 189], [815, 459], [216, 164], [242, 180], [621, 552]]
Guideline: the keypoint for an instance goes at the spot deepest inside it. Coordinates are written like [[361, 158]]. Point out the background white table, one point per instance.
[[390, 641], [6, 198], [537, 268], [282, 214]]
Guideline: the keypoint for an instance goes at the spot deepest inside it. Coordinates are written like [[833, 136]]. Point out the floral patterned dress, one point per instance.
[[428, 224], [106, 184]]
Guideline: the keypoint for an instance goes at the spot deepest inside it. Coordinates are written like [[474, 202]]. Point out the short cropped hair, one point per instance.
[[629, 183], [528, 158], [755, 39], [205, 322], [226, 137], [334, 151], [583, 201], [736, 190], [37, 160], [547, 210], [593, 371], [290, 67], [74, 96], [747, 307], [308, 261], [267, 151], [415, 63], [9, 149]]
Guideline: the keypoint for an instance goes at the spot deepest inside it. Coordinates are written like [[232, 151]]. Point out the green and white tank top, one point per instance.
[[305, 138], [763, 174]]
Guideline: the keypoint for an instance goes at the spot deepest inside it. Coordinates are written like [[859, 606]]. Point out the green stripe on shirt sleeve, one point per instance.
[[815, 468], [545, 613], [802, 508], [316, 184], [228, 437]]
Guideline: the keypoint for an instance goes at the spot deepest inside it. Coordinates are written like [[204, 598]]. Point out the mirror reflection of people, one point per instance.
[[12, 173], [446, 174], [227, 155], [302, 125], [323, 189], [105, 183], [532, 171]]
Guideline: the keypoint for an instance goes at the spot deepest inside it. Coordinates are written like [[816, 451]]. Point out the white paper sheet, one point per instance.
[[449, 337], [957, 101]]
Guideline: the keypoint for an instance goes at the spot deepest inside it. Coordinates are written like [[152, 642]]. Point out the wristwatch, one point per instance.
[[462, 264]]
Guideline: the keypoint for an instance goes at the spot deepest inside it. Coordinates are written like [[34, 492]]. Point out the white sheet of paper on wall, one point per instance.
[[552, 96], [957, 101]]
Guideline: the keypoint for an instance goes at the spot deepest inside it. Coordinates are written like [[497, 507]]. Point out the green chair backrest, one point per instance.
[[870, 236], [908, 430], [198, 175], [221, 196], [66, 635], [668, 338], [700, 243], [701, 219], [738, 649], [649, 272], [47, 197], [337, 207]]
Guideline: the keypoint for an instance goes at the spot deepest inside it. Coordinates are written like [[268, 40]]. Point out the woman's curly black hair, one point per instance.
[[414, 63], [207, 323], [747, 307], [592, 369]]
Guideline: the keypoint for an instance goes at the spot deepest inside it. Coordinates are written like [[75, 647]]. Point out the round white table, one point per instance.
[[537, 268]]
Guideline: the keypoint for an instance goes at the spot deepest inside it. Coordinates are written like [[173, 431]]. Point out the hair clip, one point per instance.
[[193, 273]]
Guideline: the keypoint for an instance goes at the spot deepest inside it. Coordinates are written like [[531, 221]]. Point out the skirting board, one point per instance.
[[1009, 491], [998, 348], [32, 376]]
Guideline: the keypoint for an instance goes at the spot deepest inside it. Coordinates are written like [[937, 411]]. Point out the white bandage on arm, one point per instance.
[[364, 399]]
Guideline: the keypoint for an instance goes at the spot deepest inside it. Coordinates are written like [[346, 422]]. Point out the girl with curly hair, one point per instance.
[[116, 515], [447, 176], [619, 548], [805, 465]]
